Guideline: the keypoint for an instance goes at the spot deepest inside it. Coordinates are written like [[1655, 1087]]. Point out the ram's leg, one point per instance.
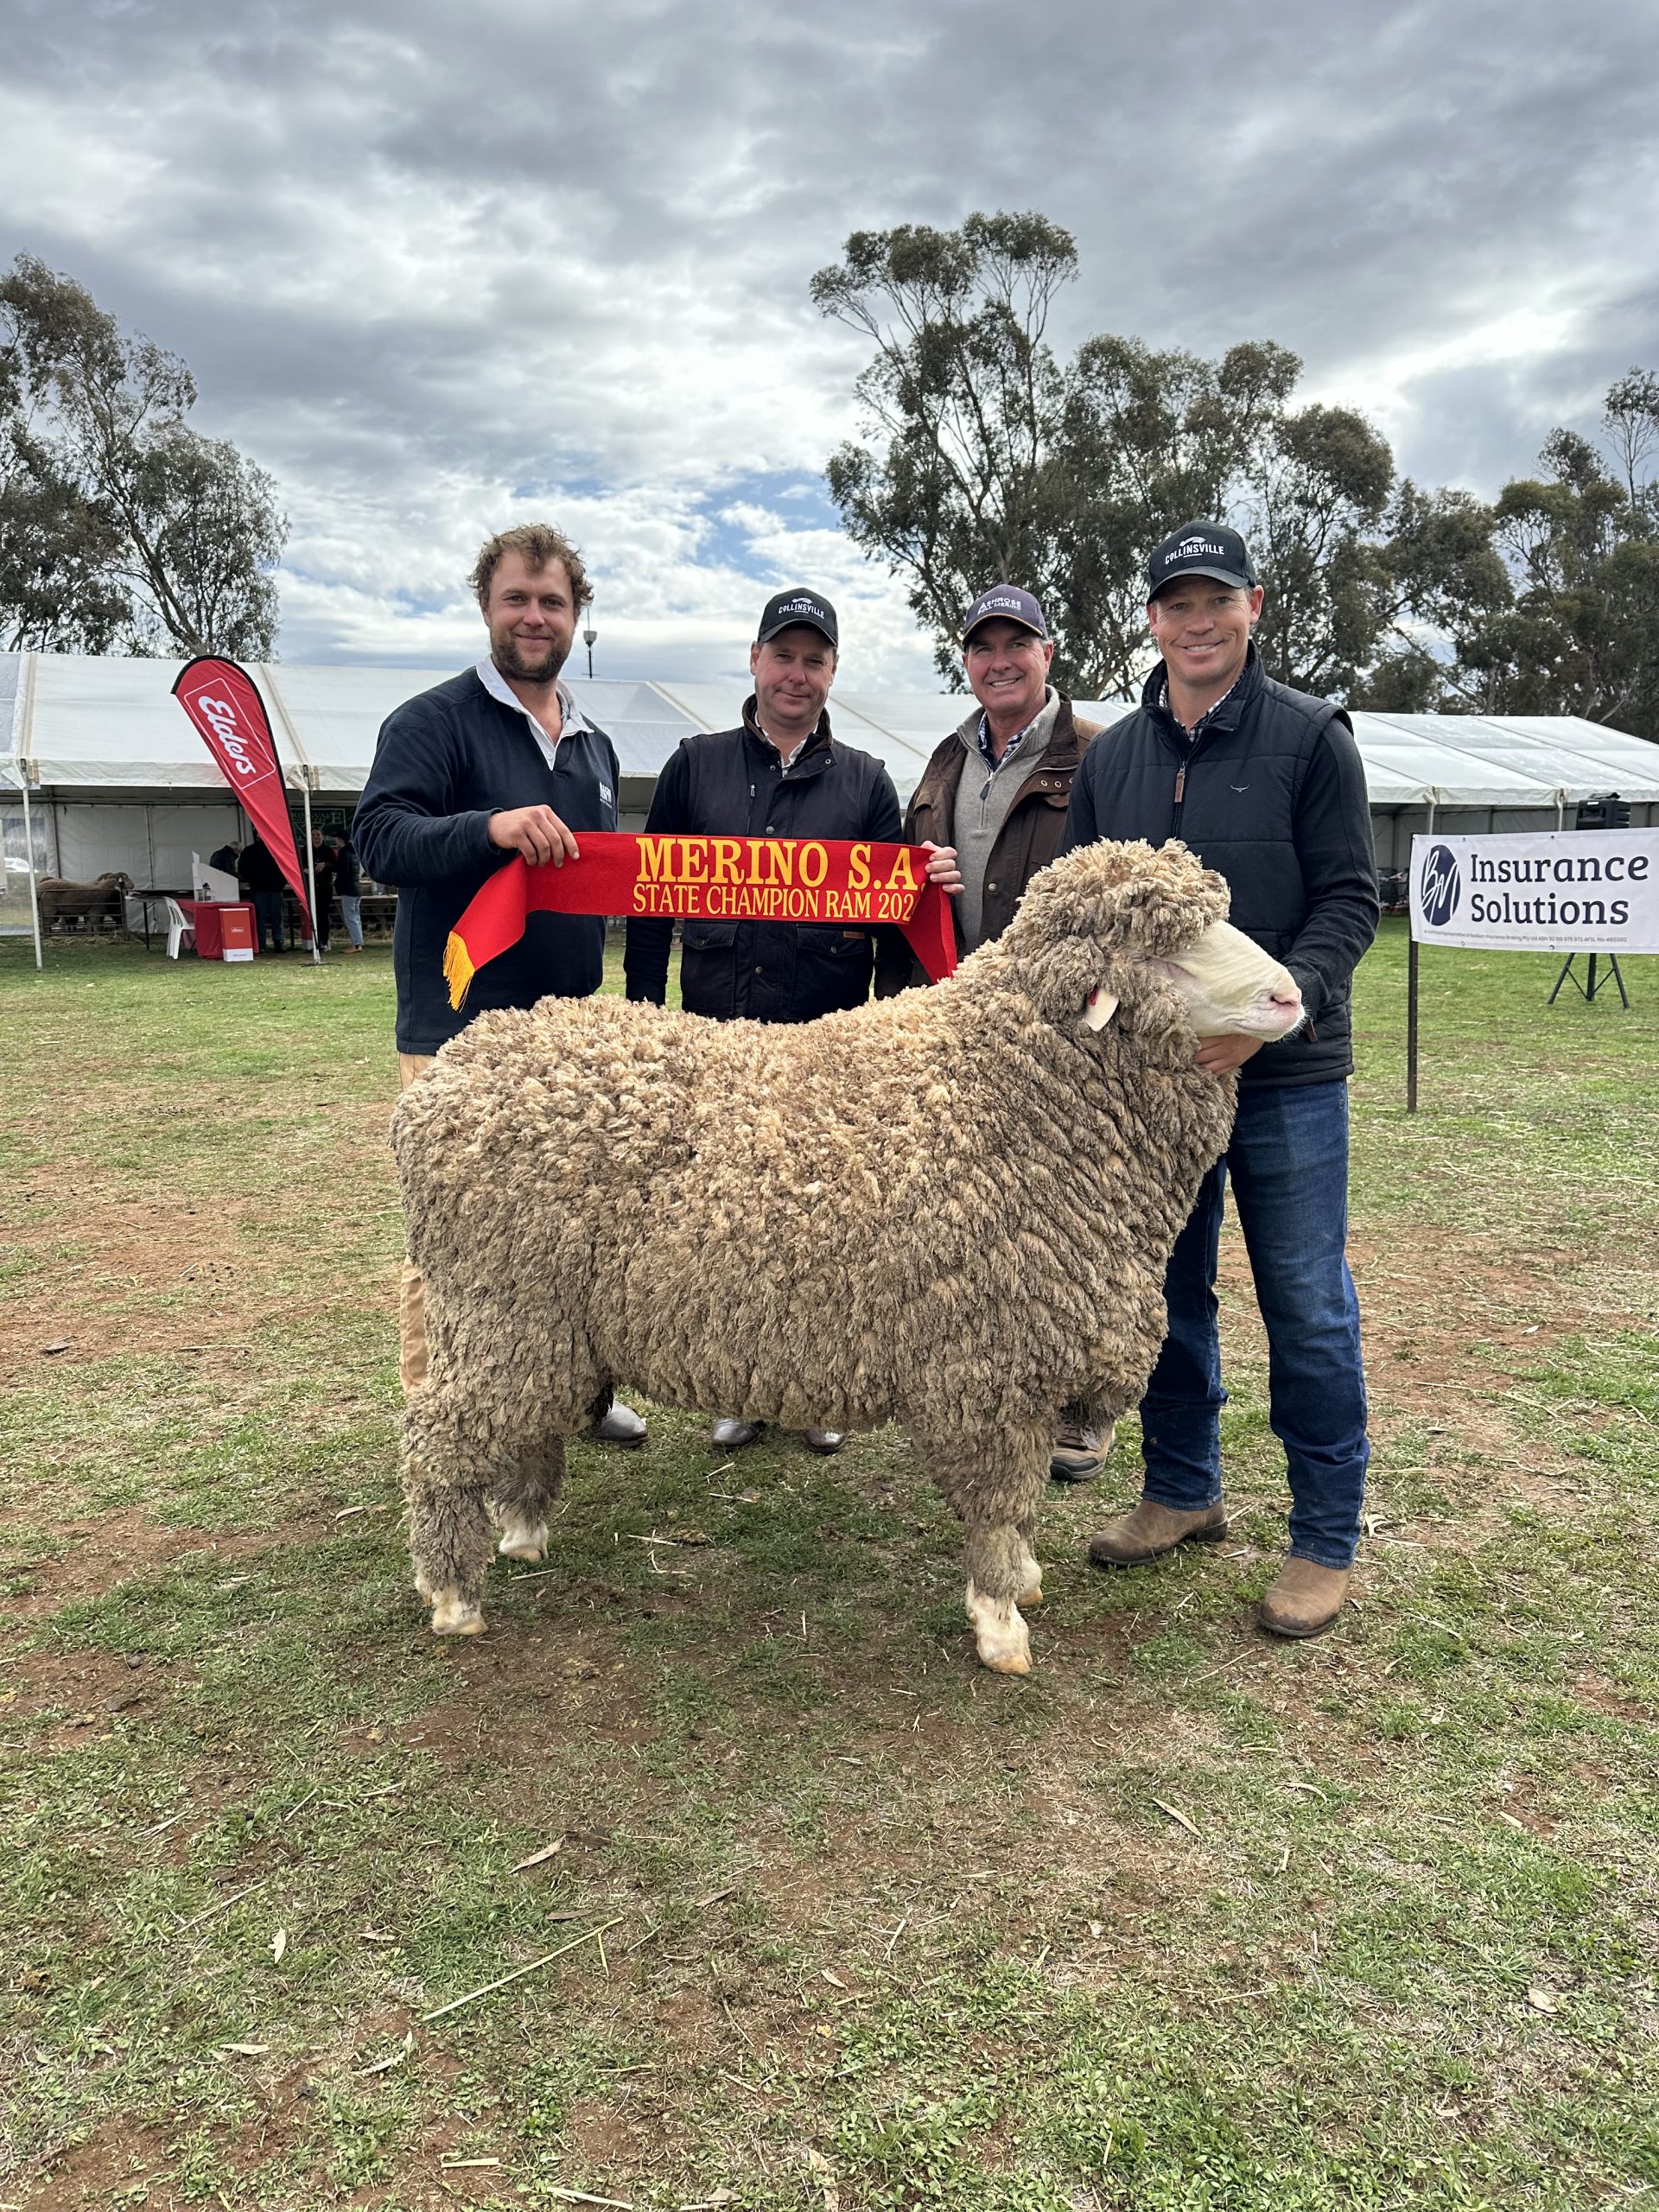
[[995, 1485], [521, 1500], [481, 1418]]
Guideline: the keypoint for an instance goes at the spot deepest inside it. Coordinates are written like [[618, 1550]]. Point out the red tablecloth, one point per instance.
[[204, 917]]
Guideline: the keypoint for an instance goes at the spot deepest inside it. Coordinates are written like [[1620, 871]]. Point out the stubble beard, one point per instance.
[[512, 660]]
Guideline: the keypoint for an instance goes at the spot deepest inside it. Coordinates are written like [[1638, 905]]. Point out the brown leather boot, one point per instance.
[[1151, 1529], [1304, 1599]]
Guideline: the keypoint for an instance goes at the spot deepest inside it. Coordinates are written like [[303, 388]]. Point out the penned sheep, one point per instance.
[[61, 900], [951, 1209]]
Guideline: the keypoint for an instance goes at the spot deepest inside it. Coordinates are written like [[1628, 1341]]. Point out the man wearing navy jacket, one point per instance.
[[1265, 786], [495, 762]]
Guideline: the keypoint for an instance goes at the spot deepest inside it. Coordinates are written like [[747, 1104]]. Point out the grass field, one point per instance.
[[1187, 1920]]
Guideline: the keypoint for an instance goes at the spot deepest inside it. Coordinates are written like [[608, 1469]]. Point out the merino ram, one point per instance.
[[951, 1209]]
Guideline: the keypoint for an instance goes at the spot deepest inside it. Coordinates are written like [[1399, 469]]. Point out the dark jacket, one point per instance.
[[348, 877], [732, 783], [446, 761], [227, 860], [1028, 839], [259, 867], [1272, 795]]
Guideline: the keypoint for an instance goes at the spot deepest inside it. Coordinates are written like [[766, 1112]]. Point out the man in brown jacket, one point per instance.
[[997, 788]]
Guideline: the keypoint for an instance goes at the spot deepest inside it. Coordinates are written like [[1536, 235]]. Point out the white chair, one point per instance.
[[178, 929]]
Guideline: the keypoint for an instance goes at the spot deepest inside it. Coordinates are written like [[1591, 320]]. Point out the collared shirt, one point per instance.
[[1193, 734], [1015, 744], [570, 714], [787, 759]]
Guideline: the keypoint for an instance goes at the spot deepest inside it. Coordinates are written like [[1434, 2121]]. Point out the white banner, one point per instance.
[[1564, 891]]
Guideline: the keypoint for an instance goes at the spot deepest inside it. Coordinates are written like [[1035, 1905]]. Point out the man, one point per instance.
[[348, 888], [498, 761], [1265, 785], [996, 790], [261, 871], [226, 859], [780, 773], [322, 876]]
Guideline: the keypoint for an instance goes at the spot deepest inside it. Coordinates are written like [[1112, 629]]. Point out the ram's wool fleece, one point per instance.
[[952, 1208]]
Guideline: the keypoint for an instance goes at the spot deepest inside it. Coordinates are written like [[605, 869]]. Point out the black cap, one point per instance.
[[1201, 549], [789, 608], [1009, 603]]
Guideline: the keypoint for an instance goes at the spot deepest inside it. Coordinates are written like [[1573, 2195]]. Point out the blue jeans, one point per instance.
[[268, 918], [1288, 1160], [351, 912]]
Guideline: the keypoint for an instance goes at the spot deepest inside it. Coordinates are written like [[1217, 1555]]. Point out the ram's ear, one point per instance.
[[1098, 1008]]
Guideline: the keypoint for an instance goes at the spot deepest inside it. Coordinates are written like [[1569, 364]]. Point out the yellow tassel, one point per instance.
[[458, 971]]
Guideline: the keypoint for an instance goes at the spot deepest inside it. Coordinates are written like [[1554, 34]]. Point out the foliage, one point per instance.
[[986, 456], [121, 528]]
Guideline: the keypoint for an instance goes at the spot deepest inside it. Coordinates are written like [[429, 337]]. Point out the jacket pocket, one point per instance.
[[832, 969], [708, 969]]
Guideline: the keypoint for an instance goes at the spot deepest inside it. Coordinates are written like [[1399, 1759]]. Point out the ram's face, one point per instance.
[[1227, 985]]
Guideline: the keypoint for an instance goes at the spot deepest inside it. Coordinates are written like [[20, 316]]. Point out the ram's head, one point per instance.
[[1121, 929]]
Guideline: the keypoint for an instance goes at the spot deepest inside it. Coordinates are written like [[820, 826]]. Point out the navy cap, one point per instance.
[[1009, 603], [1201, 549], [788, 607]]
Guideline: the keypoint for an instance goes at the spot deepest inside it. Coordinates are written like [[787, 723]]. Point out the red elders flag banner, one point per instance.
[[711, 878], [222, 702]]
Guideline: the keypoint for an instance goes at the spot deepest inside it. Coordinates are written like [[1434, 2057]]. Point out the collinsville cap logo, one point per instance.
[[1201, 549], [1008, 603], [784, 611]]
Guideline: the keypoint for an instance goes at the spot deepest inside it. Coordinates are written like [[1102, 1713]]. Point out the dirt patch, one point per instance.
[[95, 2173], [122, 1547], [85, 1694]]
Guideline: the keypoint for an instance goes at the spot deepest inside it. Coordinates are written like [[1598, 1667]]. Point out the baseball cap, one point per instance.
[[1201, 549], [786, 608], [1008, 603]]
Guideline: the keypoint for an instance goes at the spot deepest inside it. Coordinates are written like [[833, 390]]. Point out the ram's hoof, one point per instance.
[[454, 1617], [1001, 1637], [524, 1541], [1032, 1592]]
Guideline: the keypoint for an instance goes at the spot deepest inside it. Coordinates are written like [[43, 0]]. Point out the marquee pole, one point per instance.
[[310, 868], [1411, 1026], [28, 847]]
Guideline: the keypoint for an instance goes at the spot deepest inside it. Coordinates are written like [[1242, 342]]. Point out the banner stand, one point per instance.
[[1588, 994], [1411, 1026]]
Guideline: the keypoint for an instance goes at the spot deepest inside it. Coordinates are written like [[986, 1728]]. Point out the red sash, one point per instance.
[[714, 879]]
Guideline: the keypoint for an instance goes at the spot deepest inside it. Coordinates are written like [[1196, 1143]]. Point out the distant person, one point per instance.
[[322, 876], [348, 889], [497, 761], [997, 789], [227, 860], [1265, 785], [267, 887], [780, 773]]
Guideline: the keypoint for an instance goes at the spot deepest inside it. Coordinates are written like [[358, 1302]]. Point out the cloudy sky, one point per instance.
[[453, 263]]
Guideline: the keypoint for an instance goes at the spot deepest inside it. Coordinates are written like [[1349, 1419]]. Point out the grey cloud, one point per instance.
[[419, 255]]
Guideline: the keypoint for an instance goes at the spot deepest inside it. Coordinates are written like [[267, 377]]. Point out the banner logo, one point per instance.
[[1440, 887]]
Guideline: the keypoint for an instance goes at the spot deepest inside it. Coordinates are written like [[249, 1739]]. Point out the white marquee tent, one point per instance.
[[99, 757]]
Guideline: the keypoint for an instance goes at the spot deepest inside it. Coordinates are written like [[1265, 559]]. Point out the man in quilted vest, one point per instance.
[[1265, 786]]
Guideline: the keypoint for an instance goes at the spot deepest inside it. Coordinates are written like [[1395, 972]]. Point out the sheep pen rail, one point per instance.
[[1182, 1919]]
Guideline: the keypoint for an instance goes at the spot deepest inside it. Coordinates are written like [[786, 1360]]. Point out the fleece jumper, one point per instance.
[[446, 761]]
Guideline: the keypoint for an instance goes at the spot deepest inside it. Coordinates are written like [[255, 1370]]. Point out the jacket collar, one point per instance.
[[816, 744], [1225, 715]]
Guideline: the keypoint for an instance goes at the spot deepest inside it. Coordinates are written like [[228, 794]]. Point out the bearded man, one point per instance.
[[495, 762]]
